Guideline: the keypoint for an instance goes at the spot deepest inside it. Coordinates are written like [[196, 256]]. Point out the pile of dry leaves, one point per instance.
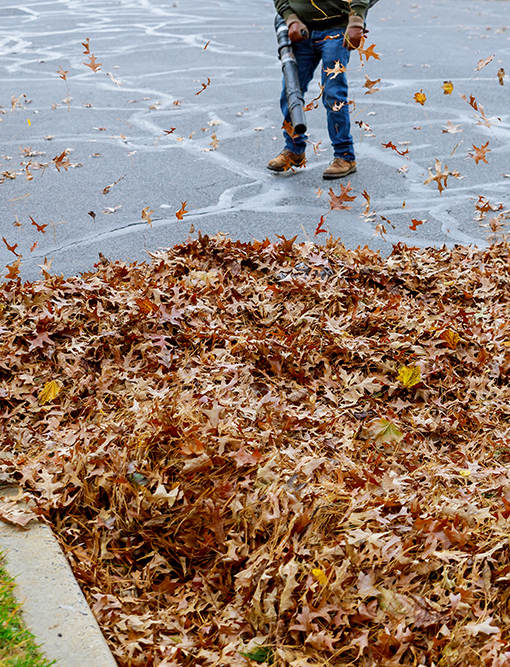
[[270, 452]]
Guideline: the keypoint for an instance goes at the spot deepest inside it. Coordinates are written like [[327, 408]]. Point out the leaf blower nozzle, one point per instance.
[[293, 92]]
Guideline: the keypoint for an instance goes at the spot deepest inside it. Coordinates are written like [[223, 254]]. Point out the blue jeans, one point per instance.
[[309, 54]]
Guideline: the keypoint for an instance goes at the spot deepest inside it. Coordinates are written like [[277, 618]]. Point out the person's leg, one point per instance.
[[307, 57], [335, 96]]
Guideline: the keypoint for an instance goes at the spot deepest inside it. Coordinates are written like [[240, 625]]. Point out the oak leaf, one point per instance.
[[485, 627], [368, 52], [39, 341], [115, 81], [322, 640], [501, 76], [479, 154], [94, 66], [204, 86], [11, 248], [333, 72], [483, 120], [45, 267], [146, 215], [414, 226], [361, 642], [313, 104], [289, 129], [365, 127], [61, 161], [394, 148], [182, 211], [13, 270], [288, 573], [472, 101], [320, 229], [339, 202], [245, 458], [370, 85], [13, 513], [440, 177], [451, 128], [169, 496], [366, 205]]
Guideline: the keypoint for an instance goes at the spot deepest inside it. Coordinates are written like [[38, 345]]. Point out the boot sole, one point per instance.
[[280, 170], [332, 177]]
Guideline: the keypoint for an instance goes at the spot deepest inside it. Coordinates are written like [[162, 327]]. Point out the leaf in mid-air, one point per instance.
[[479, 154], [146, 215], [447, 87], [483, 62], [333, 72], [93, 64], [182, 211], [440, 177], [420, 97], [413, 227], [339, 202]]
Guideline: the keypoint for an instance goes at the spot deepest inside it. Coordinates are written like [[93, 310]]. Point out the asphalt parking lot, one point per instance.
[[115, 126]]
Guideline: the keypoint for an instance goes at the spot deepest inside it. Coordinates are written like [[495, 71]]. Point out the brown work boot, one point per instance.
[[338, 169], [286, 160]]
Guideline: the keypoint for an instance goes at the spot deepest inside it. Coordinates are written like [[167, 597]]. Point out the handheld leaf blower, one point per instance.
[[293, 92]]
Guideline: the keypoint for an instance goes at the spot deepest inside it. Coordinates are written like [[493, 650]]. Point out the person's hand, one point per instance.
[[298, 31], [354, 33]]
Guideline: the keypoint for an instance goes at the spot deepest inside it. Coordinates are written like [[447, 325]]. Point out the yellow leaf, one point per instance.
[[420, 97], [451, 338], [29, 123], [447, 87], [49, 392], [409, 375], [320, 575], [464, 473]]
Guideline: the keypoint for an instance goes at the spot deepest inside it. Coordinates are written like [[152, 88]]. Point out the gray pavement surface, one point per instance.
[[154, 63]]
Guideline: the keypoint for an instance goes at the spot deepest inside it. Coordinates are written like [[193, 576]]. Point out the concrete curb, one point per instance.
[[54, 607]]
